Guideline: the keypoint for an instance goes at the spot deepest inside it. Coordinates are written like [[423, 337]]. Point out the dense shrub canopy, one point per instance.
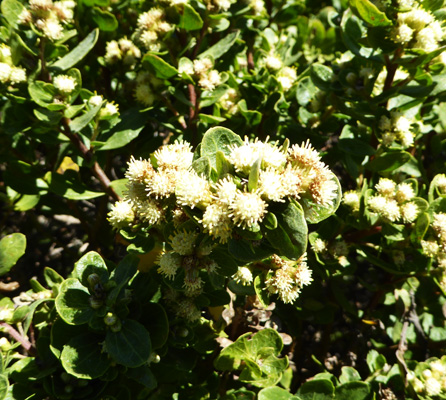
[[220, 199]]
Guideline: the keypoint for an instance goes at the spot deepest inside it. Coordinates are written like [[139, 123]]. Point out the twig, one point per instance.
[[26, 344], [88, 156]]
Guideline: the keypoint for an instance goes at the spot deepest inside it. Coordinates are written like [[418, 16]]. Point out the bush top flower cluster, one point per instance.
[[159, 190]]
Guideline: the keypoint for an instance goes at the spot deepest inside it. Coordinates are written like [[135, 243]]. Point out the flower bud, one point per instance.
[[116, 327], [93, 279], [183, 332], [95, 303], [110, 319]]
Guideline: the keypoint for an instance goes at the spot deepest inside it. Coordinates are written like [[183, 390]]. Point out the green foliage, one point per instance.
[[222, 200]]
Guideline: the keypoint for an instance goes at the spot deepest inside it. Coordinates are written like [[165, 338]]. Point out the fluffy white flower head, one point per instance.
[[404, 192], [247, 209], [64, 84], [121, 215], [178, 155], [409, 212], [5, 72], [386, 187], [192, 190], [243, 276], [52, 29], [351, 199]]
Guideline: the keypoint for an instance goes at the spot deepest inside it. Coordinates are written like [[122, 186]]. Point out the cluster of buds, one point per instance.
[[435, 246], [64, 84], [48, 16], [190, 256], [337, 250], [146, 88], [202, 69], [122, 50], [432, 380], [229, 101], [108, 110], [396, 128], [393, 202], [417, 28], [287, 278], [152, 26], [9, 73], [218, 5], [286, 76]]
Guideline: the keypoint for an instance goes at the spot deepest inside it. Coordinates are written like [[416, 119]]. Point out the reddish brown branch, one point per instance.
[[26, 344], [88, 156]]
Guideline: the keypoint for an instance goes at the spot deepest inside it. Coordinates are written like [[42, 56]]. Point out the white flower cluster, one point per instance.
[[48, 16], [166, 189], [202, 69], [218, 5], [152, 26], [417, 28], [64, 84], [229, 101], [392, 201], [288, 278], [123, 49], [9, 73], [396, 128], [435, 246], [432, 380]]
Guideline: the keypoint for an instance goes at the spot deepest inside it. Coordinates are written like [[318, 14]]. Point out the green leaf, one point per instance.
[[349, 374], [156, 322], [11, 9], [291, 235], [317, 389], [26, 202], [12, 247], [4, 386], [130, 346], [221, 47], [322, 76], [190, 20], [90, 263], [421, 226], [254, 175], [252, 117], [79, 123], [276, 393], [305, 91], [315, 213], [245, 250], [78, 53], [69, 186], [261, 366], [132, 123], [369, 13], [159, 67], [202, 166], [142, 375], [353, 391], [52, 278], [106, 21], [388, 161], [218, 139], [73, 303], [82, 357], [41, 92], [375, 361]]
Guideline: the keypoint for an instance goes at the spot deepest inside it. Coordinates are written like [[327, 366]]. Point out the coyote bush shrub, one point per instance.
[[220, 199]]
